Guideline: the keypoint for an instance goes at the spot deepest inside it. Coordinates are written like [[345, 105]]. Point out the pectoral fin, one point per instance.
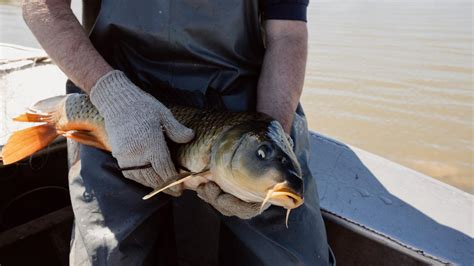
[[180, 178]]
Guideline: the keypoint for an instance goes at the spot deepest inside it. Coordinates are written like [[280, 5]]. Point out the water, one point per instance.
[[391, 77], [12, 27], [395, 78]]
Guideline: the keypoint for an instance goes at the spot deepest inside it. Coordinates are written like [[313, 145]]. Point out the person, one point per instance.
[[242, 55]]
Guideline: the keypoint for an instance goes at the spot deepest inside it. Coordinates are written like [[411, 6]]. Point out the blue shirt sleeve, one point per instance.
[[285, 9]]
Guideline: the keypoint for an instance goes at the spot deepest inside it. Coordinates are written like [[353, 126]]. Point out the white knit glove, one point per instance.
[[227, 204], [135, 121]]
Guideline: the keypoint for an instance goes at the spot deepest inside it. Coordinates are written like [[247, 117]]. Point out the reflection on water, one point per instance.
[[391, 77]]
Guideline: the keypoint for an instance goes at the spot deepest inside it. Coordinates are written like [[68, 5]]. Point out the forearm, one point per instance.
[[282, 77], [64, 40]]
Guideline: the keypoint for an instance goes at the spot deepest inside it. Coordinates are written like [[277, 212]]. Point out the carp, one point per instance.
[[247, 154]]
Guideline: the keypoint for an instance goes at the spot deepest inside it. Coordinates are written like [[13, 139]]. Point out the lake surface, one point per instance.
[[392, 77]]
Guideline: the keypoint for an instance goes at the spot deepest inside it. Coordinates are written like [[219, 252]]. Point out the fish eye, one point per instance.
[[264, 152]]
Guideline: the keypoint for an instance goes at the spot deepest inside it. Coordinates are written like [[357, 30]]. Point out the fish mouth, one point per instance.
[[288, 198], [282, 195]]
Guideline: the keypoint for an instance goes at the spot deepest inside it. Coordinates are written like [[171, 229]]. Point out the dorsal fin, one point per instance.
[[47, 106]]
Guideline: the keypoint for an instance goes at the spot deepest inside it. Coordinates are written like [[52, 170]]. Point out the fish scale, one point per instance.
[[207, 124], [245, 154]]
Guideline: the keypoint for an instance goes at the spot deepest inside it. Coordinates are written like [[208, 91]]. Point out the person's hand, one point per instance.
[[226, 203], [134, 122]]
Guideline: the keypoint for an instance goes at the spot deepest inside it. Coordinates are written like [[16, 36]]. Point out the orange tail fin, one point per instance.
[[23, 143], [32, 117]]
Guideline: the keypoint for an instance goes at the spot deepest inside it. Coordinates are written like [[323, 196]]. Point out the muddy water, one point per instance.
[[395, 78], [391, 77]]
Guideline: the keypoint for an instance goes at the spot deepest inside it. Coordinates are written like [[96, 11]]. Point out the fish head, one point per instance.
[[255, 162]]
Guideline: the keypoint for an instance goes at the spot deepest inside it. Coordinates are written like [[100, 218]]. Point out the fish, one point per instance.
[[247, 154]]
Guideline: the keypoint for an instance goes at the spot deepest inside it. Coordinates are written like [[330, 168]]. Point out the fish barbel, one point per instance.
[[246, 154]]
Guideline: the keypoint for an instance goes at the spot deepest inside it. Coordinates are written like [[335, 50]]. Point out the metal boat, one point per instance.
[[376, 212]]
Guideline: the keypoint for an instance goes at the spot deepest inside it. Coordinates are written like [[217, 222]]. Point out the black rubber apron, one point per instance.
[[210, 54], [212, 50]]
